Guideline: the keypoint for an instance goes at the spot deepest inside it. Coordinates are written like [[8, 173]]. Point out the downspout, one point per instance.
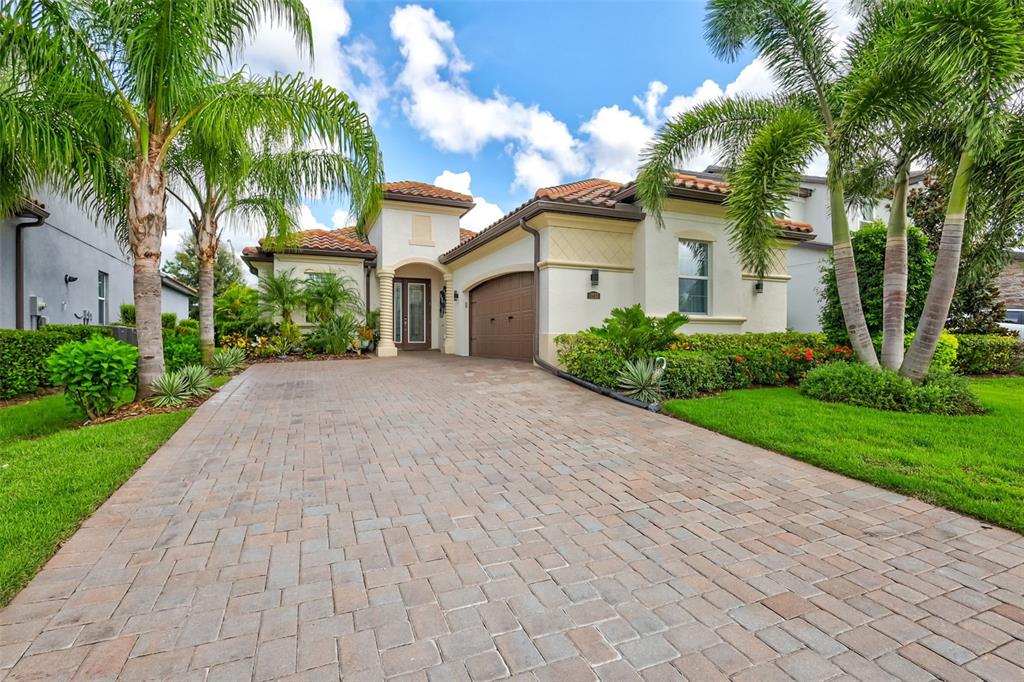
[[19, 269], [536, 335], [367, 265]]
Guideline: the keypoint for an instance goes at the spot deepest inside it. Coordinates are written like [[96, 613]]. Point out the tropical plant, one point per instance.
[[227, 360], [127, 312], [635, 334], [328, 293], [169, 390], [335, 335], [153, 70], [280, 295], [94, 373], [236, 311], [641, 379], [181, 350], [197, 379]]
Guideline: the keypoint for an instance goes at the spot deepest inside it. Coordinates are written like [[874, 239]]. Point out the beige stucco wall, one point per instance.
[[734, 305], [392, 233]]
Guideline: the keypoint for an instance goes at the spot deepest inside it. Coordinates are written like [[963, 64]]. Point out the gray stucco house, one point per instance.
[[60, 266]]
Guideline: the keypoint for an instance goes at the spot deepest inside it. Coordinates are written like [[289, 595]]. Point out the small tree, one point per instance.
[[327, 294], [280, 295], [869, 242]]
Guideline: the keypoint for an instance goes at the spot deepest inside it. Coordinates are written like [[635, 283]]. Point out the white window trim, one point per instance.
[[707, 278], [102, 302]]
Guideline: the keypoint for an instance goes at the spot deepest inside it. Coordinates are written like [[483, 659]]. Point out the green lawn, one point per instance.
[[53, 475], [972, 464]]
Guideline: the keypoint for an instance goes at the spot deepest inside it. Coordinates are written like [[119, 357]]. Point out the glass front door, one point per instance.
[[412, 314]]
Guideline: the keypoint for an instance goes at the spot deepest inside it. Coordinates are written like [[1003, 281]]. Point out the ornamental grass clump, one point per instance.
[[227, 360], [94, 373], [179, 386], [641, 379]]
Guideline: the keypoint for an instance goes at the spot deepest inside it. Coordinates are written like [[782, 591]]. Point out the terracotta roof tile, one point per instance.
[[595, 191], [687, 181], [794, 226], [465, 235], [344, 240], [422, 189]]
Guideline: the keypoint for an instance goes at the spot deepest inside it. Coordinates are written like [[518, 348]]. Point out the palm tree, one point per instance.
[[280, 295], [327, 293], [247, 183], [152, 69], [767, 142]]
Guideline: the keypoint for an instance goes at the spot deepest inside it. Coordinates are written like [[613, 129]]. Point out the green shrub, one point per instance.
[[180, 351], [988, 354], [741, 342], [227, 360], [78, 332], [863, 386], [94, 373], [127, 311], [634, 334], [23, 355], [869, 245], [691, 373], [945, 352], [589, 357], [187, 327], [169, 320], [197, 379]]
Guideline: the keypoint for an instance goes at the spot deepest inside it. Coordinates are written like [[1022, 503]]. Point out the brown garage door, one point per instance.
[[502, 318]]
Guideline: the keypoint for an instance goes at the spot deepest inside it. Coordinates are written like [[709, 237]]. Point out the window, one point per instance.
[[101, 298], [693, 277], [867, 214], [316, 276], [421, 231]]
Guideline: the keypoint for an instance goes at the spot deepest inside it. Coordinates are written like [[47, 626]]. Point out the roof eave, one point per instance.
[[532, 209], [467, 206]]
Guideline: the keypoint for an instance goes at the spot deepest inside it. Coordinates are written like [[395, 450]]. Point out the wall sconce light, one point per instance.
[[595, 278], [759, 287], [456, 294], [68, 279]]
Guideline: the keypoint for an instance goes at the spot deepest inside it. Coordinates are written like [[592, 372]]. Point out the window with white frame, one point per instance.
[[694, 277], [103, 282]]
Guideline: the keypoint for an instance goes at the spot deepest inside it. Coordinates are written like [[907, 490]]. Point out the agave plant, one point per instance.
[[169, 389], [227, 360], [640, 379], [197, 379]]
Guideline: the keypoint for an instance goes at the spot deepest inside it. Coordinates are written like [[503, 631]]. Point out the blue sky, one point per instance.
[[499, 98]]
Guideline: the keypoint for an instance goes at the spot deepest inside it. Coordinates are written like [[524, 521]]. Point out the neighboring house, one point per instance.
[[175, 296], [60, 266], [1011, 282], [557, 264]]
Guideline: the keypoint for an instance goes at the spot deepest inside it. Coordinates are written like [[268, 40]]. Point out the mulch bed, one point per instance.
[[314, 358], [142, 408]]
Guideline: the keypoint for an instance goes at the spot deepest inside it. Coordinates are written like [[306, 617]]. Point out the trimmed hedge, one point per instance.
[[989, 354], [856, 384], [23, 355], [750, 340], [590, 358], [78, 332]]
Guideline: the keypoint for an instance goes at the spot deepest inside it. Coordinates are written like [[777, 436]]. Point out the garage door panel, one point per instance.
[[502, 317]]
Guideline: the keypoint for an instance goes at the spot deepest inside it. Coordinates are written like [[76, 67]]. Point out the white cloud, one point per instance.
[[615, 138], [439, 104], [481, 215], [753, 79], [650, 101], [350, 66]]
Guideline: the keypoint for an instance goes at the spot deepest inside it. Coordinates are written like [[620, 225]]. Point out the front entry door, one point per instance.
[[412, 314]]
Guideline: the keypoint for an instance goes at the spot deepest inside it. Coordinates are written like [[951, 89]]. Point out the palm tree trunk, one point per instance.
[[147, 219], [943, 285], [846, 279], [206, 251], [894, 282]]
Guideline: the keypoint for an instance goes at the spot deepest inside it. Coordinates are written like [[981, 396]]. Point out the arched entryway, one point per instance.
[[418, 314], [503, 317]]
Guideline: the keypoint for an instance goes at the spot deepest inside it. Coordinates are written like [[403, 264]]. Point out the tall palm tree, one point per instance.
[[247, 183], [152, 68], [767, 142]]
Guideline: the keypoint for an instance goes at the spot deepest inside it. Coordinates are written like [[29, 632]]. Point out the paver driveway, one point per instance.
[[442, 518]]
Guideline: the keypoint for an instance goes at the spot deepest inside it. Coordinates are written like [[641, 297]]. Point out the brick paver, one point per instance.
[[438, 518]]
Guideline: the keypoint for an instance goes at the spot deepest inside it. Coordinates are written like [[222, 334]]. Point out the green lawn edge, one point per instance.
[[973, 464]]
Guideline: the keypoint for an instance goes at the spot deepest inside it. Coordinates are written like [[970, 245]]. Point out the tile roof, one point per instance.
[[794, 226], [687, 181], [411, 188], [595, 191], [465, 235], [344, 240]]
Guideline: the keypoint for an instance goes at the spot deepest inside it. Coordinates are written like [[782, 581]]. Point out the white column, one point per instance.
[[386, 347], [449, 313]]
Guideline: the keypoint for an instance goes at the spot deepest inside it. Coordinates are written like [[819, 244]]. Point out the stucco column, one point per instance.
[[449, 313], [386, 346]]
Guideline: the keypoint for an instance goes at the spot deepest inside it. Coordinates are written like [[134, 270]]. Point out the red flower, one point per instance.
[[739, 359], [810, 354]]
